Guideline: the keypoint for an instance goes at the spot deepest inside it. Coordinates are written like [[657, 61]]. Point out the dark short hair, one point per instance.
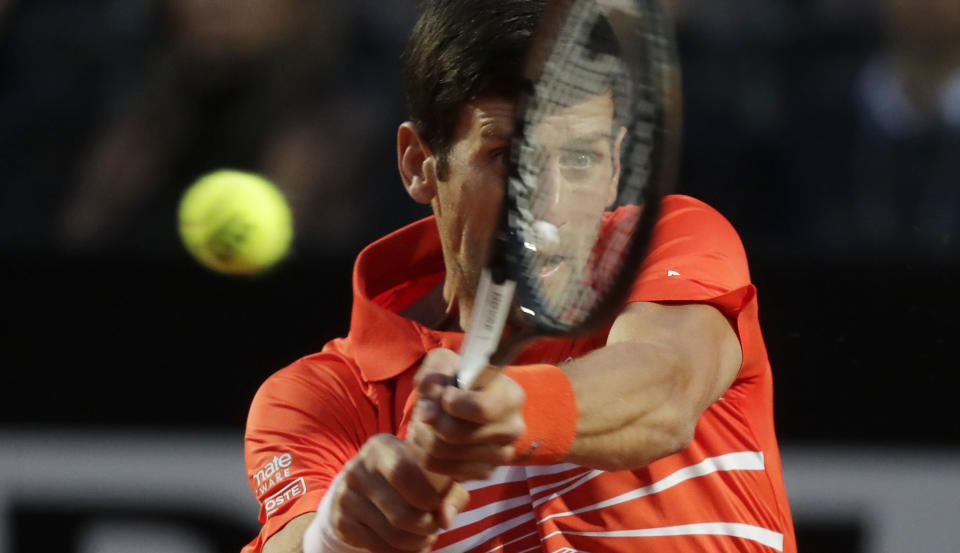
[[460, 50]]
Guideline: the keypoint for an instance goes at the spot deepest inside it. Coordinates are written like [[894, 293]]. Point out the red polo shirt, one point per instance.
[[723, 493]]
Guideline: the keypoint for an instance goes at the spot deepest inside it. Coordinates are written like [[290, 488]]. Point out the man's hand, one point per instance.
[[385, 502], [465, 434]]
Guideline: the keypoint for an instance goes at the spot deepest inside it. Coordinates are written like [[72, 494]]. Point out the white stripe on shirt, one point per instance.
[[760, 535], [492, 532], [518, 473], [745, 460]]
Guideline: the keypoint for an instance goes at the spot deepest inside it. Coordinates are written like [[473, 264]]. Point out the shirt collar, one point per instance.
[[383, 343]]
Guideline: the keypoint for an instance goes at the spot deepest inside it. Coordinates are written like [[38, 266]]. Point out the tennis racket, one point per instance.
[[594, 148]]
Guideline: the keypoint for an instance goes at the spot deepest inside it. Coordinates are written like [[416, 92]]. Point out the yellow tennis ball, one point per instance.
[[235, 222]]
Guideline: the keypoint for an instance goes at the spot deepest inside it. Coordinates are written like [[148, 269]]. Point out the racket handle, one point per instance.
[[489, 316]]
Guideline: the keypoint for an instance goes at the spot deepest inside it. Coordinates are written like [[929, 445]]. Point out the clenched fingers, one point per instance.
[[435, 373], [501, 399], [496, 451], [395, 509], [390, 459], [461, 432], [386, 503], [362, 521]]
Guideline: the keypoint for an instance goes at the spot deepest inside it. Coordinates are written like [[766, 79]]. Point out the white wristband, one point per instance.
[[320, 536]]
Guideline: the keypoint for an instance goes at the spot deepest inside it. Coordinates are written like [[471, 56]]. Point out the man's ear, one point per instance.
[[417, 165]]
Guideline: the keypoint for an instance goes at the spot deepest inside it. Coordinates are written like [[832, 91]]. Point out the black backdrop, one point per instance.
[[861, 349]]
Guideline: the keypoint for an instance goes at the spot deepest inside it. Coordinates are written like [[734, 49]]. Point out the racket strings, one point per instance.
[[611, 48]]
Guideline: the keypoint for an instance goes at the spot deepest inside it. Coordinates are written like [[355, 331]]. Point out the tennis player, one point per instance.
[[654, 434]]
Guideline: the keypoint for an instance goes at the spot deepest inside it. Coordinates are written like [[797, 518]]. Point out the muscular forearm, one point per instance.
[[636, 400], [639, 398], [628, 410]]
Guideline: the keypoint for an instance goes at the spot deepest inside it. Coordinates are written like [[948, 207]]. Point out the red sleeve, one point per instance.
[[305, 423], [696, 256]]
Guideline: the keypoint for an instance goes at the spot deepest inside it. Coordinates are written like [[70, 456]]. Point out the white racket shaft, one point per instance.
[[490, 309]]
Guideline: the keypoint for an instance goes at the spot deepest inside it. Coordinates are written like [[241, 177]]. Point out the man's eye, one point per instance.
[[577, 160]]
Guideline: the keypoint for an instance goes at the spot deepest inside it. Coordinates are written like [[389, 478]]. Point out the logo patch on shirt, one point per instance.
[[291, 490], [273, 472]]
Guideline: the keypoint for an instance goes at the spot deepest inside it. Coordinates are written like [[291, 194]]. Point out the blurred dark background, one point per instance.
[[827, 131]]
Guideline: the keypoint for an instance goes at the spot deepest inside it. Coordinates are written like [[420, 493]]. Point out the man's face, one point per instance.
[[572, 180], [572, 175]]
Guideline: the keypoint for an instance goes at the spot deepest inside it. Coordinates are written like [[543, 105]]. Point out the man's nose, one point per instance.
[[553, 195]]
